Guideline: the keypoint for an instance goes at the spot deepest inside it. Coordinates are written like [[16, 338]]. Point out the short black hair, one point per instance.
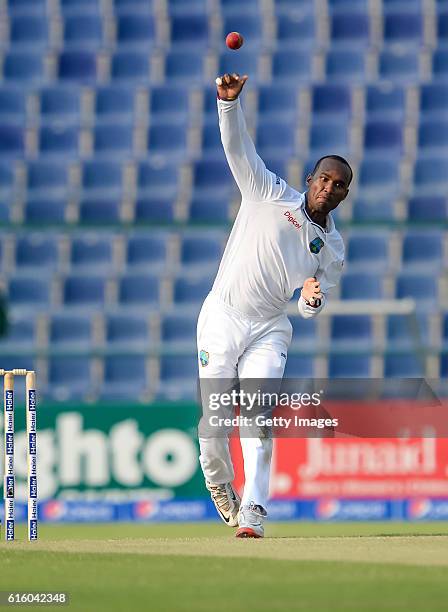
[[337, 158]]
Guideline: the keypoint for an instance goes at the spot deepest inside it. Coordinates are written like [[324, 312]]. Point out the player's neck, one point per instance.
[[316, 216]]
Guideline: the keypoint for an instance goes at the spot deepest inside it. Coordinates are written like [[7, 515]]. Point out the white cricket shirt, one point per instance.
[[273, 246]]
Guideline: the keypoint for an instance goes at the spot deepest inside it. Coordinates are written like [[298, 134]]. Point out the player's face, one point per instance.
[[329, 185]]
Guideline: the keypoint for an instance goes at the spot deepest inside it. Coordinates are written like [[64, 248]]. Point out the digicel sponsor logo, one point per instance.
[[292, 219]]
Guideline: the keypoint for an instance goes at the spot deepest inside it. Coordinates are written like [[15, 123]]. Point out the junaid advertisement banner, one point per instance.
[[140, 463]]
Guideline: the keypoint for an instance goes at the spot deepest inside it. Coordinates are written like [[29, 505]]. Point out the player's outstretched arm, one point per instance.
[[253, 179]]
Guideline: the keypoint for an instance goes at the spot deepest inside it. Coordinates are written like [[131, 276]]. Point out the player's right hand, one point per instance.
[[230, 85]]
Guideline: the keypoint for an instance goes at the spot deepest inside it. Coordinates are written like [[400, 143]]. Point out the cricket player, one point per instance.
[[281, 240]]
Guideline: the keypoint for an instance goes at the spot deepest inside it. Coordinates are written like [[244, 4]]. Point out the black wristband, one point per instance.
[[317, 303]]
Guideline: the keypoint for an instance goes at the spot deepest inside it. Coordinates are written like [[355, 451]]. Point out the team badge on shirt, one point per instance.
[[204, 358], [316, 245]]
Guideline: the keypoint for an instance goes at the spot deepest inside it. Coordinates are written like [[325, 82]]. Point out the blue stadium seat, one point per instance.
[[168, 102], [244, 62], [57, 140], [199, 251], [102, 178], [373, 210], [203, 210], [423, 250], [440, 63], [296, 29], [299, 366], [166, 139], [304, 336], [332, 99], [112, 139], [12, 141], [433, 136], [234, 7], [23, 66], [328, 135], [421, 287], [277, 102], [127, 331], [433, 97], [250, 26], [346, 5], [7, 179], [69, 377], [12, 105], [20, 334], [385, 137], [346, 66], [146, 251], [405, 365], [379, 178], [126, 6], [442, 26], [77, 66], [47, 177], [157, 179], [179, 331], [274, 138], [392, 6], [29, 31], [135, 29], [403, 28], [83, 31], [189, 30], [91, 253], [293, 6], [350, 29], [154, 209], [368, 250], [349, 366], [130, 67], [82, 7], [401, 332], [26, 7], [210, 173], [114, 103], [211, 141], [428, 208], [138, 290], [444, 366], [385, 101], [70, 331], [59, 104], [361, 286], [39, 251], [184, 66], [431, 173], [290, 64], [187, 7], [399, 65], [191, 291], [100, 209], [85, 291], [29, 291], [351, 332], [178, 368], [45, 210]]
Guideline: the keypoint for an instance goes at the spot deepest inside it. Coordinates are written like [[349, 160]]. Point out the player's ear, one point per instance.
[[309, 178]]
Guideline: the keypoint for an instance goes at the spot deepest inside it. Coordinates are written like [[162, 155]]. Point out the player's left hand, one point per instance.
[[311, 290]]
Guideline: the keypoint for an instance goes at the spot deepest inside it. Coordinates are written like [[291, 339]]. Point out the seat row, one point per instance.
[[174, 377]]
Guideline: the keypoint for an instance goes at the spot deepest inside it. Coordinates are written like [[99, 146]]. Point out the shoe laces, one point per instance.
[[220, 496]]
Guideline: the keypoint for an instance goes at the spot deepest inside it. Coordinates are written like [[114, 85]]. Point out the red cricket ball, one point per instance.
[[234, 40]]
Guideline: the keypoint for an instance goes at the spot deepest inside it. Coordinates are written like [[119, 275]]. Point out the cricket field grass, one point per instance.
[[202, 567]]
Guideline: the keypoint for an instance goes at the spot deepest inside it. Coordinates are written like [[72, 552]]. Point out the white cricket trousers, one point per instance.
[[240, 347]]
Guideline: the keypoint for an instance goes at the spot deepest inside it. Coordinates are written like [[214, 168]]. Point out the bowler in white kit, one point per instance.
[[281, 240]]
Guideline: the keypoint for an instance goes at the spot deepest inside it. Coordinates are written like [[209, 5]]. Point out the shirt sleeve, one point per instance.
[[254, 180]]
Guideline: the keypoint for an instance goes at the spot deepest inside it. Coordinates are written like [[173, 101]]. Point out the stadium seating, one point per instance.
[[116, 197]]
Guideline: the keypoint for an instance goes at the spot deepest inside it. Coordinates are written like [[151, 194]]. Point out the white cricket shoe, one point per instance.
[[250, 521], [226, 500]]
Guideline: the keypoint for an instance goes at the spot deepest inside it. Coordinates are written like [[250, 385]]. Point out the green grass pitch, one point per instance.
[[202, 567]]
